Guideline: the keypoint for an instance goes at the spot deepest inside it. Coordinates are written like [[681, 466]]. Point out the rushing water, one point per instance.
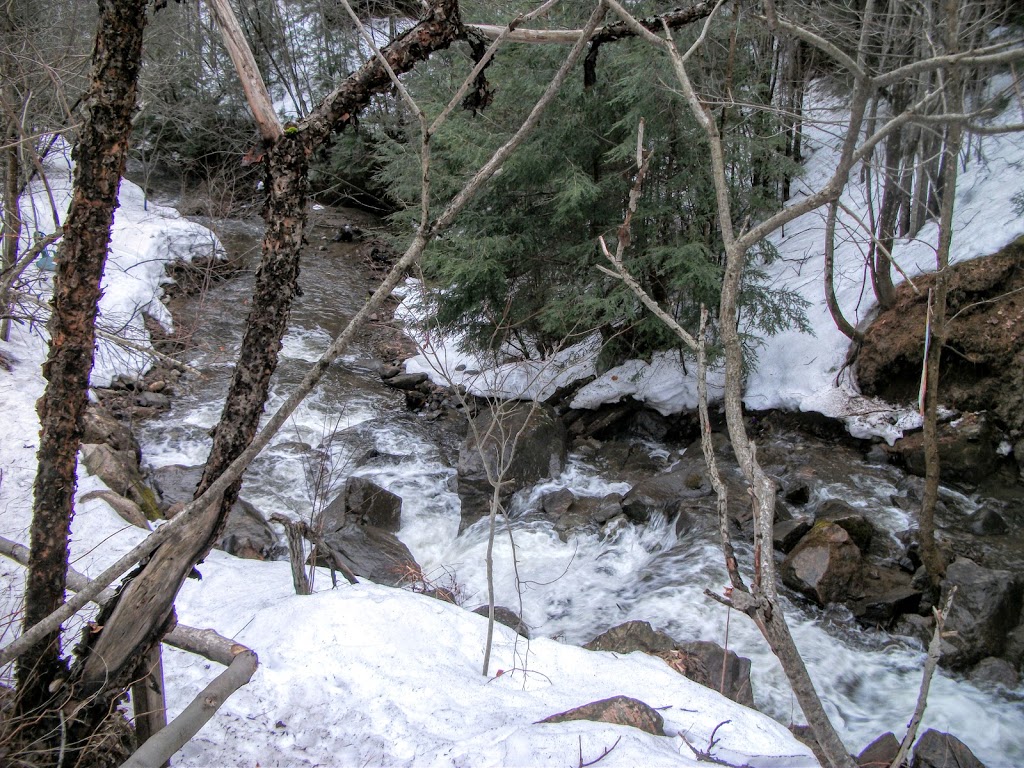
[[569, 590]]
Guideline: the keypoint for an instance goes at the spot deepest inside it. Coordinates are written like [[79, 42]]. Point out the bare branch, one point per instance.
[[159, 748], [256, 92]]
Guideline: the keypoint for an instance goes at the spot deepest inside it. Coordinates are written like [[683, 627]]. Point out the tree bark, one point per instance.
[[100, 157], [145, 605]]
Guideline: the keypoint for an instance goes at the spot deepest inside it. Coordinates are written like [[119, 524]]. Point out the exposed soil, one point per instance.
[[983, 360]]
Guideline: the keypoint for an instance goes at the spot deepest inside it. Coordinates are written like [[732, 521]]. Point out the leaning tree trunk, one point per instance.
[[143, 611], [99, 157]]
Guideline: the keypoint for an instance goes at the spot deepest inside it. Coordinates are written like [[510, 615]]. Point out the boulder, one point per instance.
[[538, 453], [372, 553], [849, 518], [786, 534], [620, 710], [99, 425], [1014, 649], [967, 450], [986, 608], [666, 493], [882, 608], [248, 534], [363, 501], [729, 672], [507, 617], [941, 750], [632, 636], [824, 565], [406, 381], [557, 503], [700, 661], [992, 672], [119, 469], [879, 753]]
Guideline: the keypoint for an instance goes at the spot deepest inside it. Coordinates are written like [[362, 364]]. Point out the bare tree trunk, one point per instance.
[[100, 156], [930, 555], [145, 604]]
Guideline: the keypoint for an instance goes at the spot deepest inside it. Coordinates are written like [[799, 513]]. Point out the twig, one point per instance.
[[595, 761], [934, 652]]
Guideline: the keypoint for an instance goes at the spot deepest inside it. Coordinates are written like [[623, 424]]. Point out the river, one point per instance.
[[570, 590]]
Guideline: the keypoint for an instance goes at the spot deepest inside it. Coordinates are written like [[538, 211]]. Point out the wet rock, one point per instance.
[[991, 672], [101, 426], [942, 750], [632, 636], [987, 522], [919, 628], [538, 453], [626, 461], [507, 617], [879, 753], [1014, 649], [248, 534], [986, 608], [786, 534], [967, 450], [823, 565], [881, 609], [729, 673], [649, 425], [599, 509], [152, 400], [372, 553], [850, 519], [406, 381], [557, 503], [666, 493], [620, 710], [364, 502]]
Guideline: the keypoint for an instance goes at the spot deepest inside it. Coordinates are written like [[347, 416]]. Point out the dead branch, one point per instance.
[[159, 748], [932, 662], [607, 751], [207, 643]]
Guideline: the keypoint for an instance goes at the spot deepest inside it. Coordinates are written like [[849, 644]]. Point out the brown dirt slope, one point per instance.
[[983, 361]]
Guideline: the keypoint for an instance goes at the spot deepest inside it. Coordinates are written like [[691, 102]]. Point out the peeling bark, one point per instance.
[[99, 157]]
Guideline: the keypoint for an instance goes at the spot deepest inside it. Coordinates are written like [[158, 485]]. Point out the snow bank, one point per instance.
[[361, 674], [795, 370], [144, 239]]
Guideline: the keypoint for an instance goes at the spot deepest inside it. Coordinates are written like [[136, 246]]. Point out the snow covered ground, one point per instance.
[[795, 370], [360, 675]]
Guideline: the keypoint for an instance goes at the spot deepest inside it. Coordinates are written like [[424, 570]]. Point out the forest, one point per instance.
[[597, 316]]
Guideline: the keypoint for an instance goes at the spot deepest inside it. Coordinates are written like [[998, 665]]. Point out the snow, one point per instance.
[[144, 238], [795, 370], [360, 674]]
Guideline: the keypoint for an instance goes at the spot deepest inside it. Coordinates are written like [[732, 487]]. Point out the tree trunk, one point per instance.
[[145, 606], [100, 157]]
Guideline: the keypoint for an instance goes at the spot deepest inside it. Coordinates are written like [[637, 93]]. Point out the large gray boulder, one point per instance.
[[524, 444], [824, 565], [372, 553], [363, 501], [987, 606]]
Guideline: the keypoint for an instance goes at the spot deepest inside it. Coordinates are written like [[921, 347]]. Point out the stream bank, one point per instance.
[[579, 580]]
